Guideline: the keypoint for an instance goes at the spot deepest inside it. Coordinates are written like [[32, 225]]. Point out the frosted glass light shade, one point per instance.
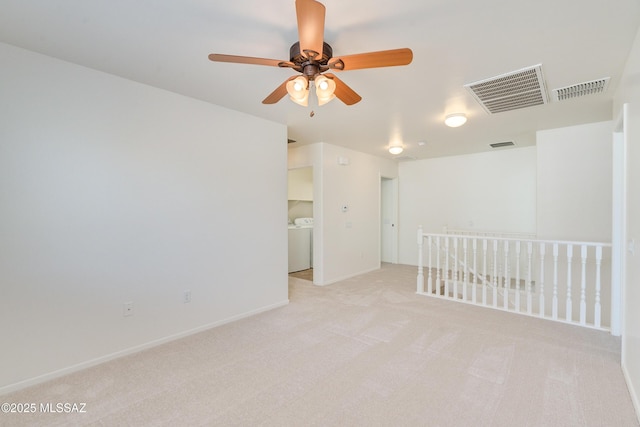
[[455, 120], [298, 90], [325, 88], [396, 149]]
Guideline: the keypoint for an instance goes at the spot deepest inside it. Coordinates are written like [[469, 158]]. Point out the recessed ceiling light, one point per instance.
[[455, 120]]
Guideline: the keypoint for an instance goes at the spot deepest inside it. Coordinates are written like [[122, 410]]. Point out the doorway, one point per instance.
[[389, 220], [300, 222]]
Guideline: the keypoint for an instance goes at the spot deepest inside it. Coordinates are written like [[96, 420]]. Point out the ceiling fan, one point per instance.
[[313, 57]]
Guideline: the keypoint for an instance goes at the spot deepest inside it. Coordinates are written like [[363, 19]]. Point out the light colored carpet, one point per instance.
[[366, 351]]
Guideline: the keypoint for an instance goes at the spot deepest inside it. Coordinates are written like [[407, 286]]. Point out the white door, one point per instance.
[[389, 220]]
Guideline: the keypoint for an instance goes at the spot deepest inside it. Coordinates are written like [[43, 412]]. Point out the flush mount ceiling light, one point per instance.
[[396, 149], [455, 120]]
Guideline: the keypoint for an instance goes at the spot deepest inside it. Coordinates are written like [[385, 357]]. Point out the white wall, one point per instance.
[[300, 184], [352, 238], [628, 99], [112, 191], [348, 242], [493, 191], [574, 182]]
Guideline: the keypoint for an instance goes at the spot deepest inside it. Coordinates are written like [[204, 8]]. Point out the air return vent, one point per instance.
[[511, 91], [502, 144], [593, 87], [404, 158]]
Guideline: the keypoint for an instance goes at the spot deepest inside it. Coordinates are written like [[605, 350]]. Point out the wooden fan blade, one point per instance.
[[310, 15], [383, 58], [278, 94], [216, 57], [343, 92]]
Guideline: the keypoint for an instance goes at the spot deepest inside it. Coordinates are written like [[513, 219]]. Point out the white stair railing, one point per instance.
[[472, 271], [566, 281]]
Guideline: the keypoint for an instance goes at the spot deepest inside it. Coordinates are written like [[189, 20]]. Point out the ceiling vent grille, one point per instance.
[[502, 144], [404, 158], [593, 87], [511, 91]]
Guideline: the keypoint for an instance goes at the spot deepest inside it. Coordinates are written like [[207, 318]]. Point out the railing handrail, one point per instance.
[[475, 232], [515, 239]]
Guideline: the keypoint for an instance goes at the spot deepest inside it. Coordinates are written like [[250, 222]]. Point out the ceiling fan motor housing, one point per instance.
[[311, 66]]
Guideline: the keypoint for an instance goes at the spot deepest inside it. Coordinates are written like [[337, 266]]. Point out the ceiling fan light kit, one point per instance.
[[455, 120], [312, 56]]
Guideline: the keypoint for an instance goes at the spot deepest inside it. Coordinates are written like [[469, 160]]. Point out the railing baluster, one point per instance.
[[495, 273], [484, 271], [446, 266], [507, 279], [597, 314], [438, 275], [429, 278], [554, 302], [541, 289], [420, 283], [456, 263], [583, 286], [517, 277], [474, 291], [529, 277], [465, 267], [569, 313]]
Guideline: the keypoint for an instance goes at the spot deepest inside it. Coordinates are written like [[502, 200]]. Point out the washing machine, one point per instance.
[[301, 244]]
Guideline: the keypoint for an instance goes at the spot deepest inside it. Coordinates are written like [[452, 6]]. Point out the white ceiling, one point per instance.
[[165, 43]]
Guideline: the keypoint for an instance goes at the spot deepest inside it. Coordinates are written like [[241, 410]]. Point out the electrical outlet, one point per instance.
[[128, 309], [186, 297]]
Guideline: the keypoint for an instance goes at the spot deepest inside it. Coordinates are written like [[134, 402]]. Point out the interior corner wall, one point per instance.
[[111, 192], [574, 182], [490, 191], [349, 241]]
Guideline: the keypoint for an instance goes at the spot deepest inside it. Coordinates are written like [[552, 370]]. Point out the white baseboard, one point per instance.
[[102, 359], [349, 276], [635, 399]]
